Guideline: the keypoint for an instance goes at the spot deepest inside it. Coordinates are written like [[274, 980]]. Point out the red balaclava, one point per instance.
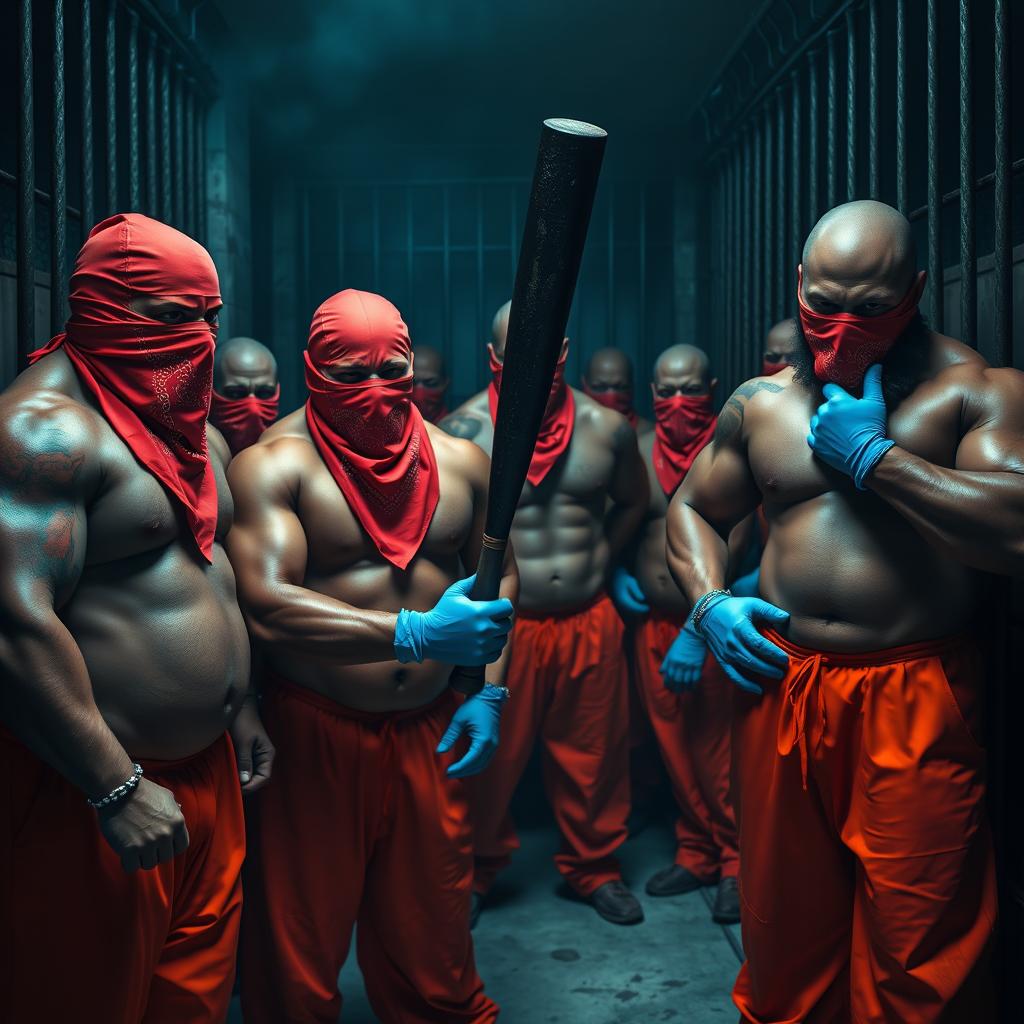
[[556, 427], [152, 380], [683, 425], [430, 402], [620, 401], [370, 435], [243, 420], [845, 345]]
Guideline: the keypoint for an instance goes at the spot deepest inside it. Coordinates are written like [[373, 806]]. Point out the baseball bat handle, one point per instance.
[[489, 572]]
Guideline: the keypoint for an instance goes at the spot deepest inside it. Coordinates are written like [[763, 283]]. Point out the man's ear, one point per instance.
[[713, 385]]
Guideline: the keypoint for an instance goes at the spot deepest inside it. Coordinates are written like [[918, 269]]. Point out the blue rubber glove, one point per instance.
[[849, 433], [748, 585], [684, 662], [480, 718], [456, 631], [729, 628], [627, 594]]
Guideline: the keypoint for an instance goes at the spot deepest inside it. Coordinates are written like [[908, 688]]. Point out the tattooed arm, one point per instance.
[[48, 471], [718, 492]]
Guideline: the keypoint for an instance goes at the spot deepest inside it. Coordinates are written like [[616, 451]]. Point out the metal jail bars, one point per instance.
[[122, 128]]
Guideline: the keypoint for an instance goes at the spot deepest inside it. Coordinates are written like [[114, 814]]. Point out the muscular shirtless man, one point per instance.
[[246, 393], [868, 888], [608, 380], [430, 383], [584, 498], [781, 347], [122, 647], [690, 722], [349, 510]]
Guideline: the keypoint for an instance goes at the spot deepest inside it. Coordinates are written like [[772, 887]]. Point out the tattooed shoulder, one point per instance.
[[730, 419], [45, 446], [460, 425]]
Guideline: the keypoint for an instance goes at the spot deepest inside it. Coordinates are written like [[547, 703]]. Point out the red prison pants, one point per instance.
[[866, 872], [359, 826], [567, 674], [82, 940], [692, 731]]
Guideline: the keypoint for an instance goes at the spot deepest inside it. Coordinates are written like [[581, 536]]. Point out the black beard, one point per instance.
[[902, 369]]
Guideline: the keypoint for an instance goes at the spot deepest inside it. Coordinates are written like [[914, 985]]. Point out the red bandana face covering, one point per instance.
[[243, 420], [556, 427], [683, 425], [430, 402], [620, 401], [845, 345], [770, 369], [151, 380], [370, 435]]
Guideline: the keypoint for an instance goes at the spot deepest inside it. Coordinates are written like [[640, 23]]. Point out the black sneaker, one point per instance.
[[673, 881], [727, 902], [615, 903]]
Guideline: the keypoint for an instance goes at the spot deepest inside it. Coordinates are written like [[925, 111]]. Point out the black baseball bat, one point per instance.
[[561, 200]]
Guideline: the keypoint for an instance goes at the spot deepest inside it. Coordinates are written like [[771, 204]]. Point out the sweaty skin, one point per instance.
[[568, 530], [243, 366], [320, 595], [861, 571], [609, 369], [118, 640]]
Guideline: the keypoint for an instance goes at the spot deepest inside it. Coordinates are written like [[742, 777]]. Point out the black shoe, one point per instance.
[[476, 904], [615, 903], [673, 881], [727, 902]]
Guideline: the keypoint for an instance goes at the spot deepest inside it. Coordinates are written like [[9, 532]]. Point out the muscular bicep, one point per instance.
[[994, 440], [720, 487]]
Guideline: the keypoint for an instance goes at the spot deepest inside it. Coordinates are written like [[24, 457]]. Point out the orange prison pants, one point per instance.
[[866, 871], [692, 731], [82, 940], [567, 674], [359, 826]]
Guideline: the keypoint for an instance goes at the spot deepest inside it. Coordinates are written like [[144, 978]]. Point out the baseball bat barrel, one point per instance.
[[561, 201]]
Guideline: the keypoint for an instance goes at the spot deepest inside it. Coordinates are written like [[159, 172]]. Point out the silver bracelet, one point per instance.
[[503, 690], [703, 606], [118, 794]]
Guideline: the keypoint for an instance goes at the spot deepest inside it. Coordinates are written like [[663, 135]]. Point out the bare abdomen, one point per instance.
[[652, 571], [166, 648]]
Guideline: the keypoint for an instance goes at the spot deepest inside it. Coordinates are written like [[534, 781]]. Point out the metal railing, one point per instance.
[[113, 35]]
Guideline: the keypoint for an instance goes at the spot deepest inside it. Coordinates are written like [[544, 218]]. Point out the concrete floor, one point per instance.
[[548, 959]]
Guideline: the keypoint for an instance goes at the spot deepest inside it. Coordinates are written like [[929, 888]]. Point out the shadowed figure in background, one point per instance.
[[781, 347], [246, 393], [890, 462], [584, 498], [352, 513], [608, 380], [430, 383], [685, 695], [122, 650]]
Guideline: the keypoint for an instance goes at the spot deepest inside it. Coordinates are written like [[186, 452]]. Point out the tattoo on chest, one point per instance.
[[730, 419], [458, 425]]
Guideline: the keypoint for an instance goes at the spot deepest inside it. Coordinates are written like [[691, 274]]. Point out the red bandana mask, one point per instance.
[[370, 435], [430, 402], [845, 345], [770, 369], [683, 425], [243, 420], [620, 401], [152, 380], [556, 427]]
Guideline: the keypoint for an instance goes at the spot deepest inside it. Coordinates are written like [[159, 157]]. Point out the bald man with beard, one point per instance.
[[246, 393], [890, 462], [608, 380]]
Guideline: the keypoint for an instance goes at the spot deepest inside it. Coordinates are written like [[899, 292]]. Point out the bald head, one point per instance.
[[609, 369], [859, 258], [683, 369], [428, 367], [782, 344], [499, 329], [244, 366]]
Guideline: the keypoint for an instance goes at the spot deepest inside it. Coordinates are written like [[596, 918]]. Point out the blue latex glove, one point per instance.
[[748, 585], [849, 433], [684, 661], [480, 718], [729, 628], [456, 630], [627, 594]]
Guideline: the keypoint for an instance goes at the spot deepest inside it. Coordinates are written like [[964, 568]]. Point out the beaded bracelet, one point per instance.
[[703, 606], [118, 794]]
